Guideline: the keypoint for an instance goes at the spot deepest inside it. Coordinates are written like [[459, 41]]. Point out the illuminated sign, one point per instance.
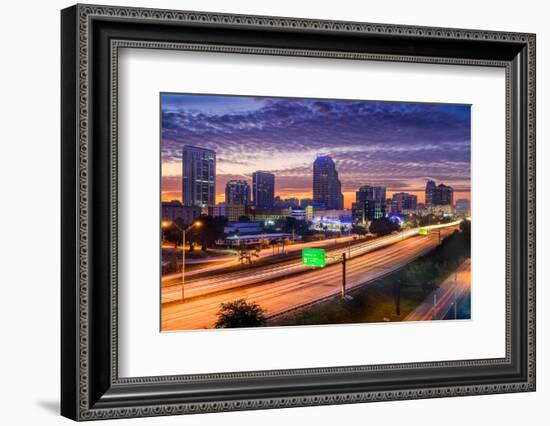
[[313, 257], [309, 213], [423, 231]]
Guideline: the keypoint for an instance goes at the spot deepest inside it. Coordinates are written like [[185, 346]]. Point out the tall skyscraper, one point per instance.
[[440, 195], [263, 189], [237, 192], [198, 176], [370, 204], [430, 192], [327, 189], [402, 201]]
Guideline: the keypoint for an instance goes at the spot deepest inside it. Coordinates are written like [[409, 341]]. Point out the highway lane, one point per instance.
[[227, 261], [281, 295], [200, 287], [456, 286]]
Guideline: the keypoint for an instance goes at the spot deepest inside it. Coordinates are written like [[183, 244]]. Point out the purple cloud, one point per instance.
[[369, 141]]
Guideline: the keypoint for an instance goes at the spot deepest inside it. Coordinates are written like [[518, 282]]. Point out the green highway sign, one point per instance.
[[313, 257], [423, 231]]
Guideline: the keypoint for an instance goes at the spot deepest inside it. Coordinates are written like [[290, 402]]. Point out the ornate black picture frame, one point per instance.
[[91, 387]]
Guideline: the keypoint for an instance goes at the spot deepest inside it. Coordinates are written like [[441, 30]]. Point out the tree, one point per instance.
[[465, 227], [291, 224], [246, 254], [359, 230], [383, 226], [173, 234], [412, 221], [240, 313], [211, 229], [423, 272], [429, 219]]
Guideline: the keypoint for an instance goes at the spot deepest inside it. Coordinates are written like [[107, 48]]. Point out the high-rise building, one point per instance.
[[237, 192], [443, 195], [430, 192], [198, 176], [379, 194], [462, 207], [440, 195], [327, 188], [403, 202], [263, 189], [370, 204], [363, 194], [372, 193], [358, 213], [374, 210]]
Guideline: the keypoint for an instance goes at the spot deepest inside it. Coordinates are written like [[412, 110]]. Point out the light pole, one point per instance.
[[166, 224], [344, 295], [344, 275]]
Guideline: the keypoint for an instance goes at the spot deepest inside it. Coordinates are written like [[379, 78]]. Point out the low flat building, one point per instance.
[[437, 210], [305, 214], [231, 211], [258, 239], [243, 228], [319, 214], [172, 210], [265, 215], [332, 220]]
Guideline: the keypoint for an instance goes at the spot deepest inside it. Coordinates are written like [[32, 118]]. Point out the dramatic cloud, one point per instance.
[[399, 145]]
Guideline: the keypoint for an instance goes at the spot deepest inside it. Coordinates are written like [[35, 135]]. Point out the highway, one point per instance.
[[233, 259], [280, 291], [222, 282], [456, 286]]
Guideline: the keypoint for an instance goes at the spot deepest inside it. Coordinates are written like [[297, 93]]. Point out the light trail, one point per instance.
[[286, 293]]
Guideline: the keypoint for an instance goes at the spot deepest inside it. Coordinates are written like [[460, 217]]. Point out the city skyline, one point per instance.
[[396, 145]]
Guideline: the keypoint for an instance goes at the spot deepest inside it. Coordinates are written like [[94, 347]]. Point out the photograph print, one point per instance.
[[297, 211]]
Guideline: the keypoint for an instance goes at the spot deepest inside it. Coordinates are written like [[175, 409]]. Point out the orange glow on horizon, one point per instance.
[[349, 196], [171, 186]]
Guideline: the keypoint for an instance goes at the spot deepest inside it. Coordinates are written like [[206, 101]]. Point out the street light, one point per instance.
[[166, 224]]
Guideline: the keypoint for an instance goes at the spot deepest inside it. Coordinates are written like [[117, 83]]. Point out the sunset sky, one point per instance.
[[397, 145]]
